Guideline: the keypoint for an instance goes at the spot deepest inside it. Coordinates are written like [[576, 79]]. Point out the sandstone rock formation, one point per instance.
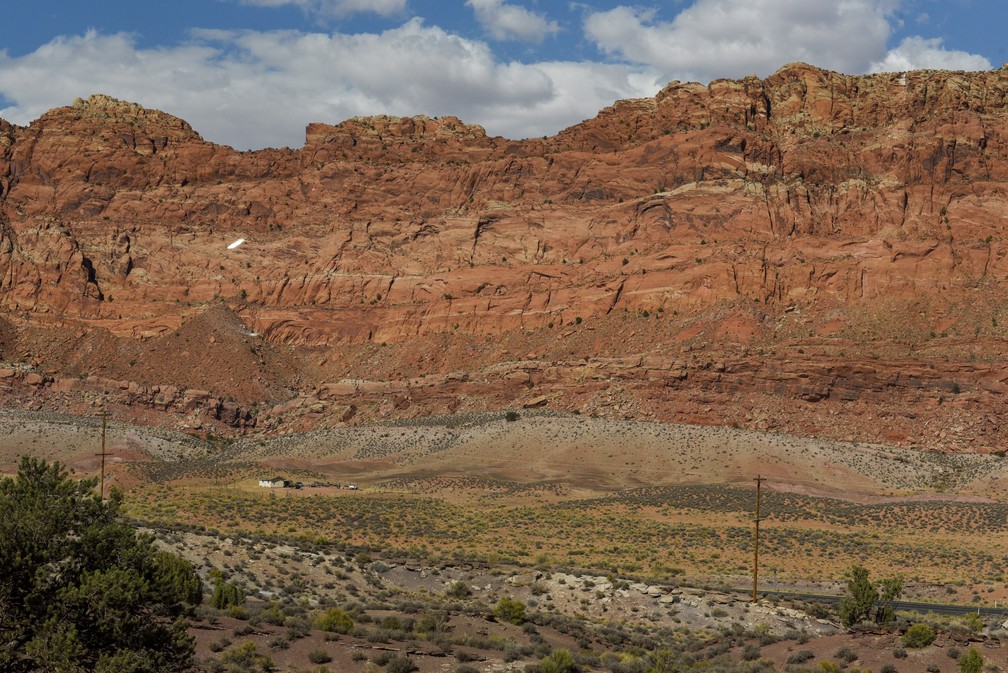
[[782, 253]]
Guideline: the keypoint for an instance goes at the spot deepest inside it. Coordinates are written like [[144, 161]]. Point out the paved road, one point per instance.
[[909, 606]]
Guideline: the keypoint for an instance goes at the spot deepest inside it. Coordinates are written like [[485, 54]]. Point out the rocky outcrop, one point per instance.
[[752, 222], [953, 408], [195, 410], [806, 183]]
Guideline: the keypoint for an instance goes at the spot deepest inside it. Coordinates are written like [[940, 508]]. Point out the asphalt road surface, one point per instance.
[[909, 606]]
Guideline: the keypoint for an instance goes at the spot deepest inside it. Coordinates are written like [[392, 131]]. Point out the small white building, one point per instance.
[[275, 482]]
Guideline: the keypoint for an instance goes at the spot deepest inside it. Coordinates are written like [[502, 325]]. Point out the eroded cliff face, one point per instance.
[[761, 236]]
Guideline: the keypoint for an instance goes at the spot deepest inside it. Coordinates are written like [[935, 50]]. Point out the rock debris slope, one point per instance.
[[811, 252]]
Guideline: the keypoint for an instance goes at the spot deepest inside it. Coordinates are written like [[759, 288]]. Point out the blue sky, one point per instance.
[[253, 73]]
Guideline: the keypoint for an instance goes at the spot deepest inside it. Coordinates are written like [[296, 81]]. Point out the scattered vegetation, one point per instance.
[[242, 658], [510, 610], [557, 661], [335, 620], [918, 635], [971, 662], [356, 544]]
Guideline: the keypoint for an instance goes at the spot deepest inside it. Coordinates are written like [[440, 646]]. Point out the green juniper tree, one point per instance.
[[860, 599], [80, 589], [971, 662], [863, 598], [226, 594]]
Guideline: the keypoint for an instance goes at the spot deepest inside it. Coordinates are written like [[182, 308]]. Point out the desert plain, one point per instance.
[[551, 369]]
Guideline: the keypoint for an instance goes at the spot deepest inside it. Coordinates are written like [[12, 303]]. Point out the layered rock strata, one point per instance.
[[822, 238]]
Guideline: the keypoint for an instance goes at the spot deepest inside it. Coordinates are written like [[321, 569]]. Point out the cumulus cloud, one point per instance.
[[512, 22], [255, 89], [917, 53], [335, 8], [733, 38]]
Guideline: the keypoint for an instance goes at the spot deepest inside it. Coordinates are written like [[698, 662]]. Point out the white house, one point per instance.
[[275, 482]]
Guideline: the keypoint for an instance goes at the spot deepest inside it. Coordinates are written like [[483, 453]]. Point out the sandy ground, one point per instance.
[[548, 457], [574, 455]]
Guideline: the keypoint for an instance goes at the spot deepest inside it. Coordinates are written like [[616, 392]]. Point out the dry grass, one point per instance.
[[546, 490], [700, 532]]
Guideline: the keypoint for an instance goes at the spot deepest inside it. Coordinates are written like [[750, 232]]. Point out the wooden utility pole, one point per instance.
[[104, 419], [755, 571]]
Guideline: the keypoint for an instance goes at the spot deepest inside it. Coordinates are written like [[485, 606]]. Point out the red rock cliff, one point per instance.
[[807, 214]]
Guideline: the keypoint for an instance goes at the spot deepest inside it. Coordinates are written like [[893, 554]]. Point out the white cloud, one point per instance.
[[733, 38], [512, 22], [579, 91], [255, 89], [917, 53], [334, 8]]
